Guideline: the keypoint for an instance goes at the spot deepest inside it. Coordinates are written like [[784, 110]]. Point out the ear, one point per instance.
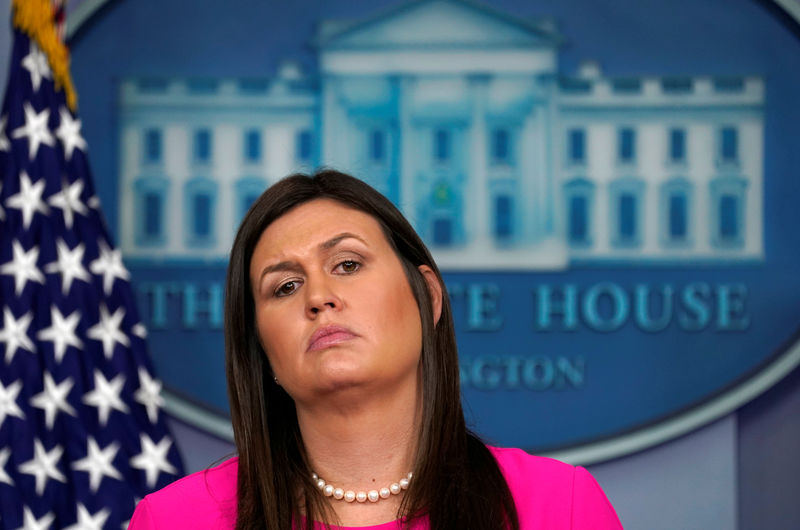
[[435, 290]]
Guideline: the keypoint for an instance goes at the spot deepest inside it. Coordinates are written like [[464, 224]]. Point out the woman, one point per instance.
[[344, 387]]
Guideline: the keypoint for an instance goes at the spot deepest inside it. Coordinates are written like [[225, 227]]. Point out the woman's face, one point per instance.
[[334, 309]]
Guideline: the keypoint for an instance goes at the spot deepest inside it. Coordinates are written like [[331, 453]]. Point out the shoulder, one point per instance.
[[516, 463], [551, 494], [535, 477], [206, 499]]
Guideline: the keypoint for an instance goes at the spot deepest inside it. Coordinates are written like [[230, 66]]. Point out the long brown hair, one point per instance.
[[457, 482]]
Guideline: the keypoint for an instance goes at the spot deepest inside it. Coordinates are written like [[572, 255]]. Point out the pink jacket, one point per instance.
[[548, 494]]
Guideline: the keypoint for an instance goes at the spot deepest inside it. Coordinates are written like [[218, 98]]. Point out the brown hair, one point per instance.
[[457, 482]]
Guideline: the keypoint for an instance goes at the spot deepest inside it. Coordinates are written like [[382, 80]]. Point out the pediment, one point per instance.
[[436, 24]]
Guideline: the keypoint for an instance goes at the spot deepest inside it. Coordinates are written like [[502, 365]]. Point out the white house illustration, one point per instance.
[[459, 115]]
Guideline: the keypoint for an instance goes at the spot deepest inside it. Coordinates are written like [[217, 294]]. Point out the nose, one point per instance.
[[320, 297]]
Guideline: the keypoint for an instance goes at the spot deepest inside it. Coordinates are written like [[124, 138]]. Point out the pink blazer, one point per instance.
[[549, 495]]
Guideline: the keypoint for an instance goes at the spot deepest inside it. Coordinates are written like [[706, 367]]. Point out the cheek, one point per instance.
[[403, 318], [272, 335]]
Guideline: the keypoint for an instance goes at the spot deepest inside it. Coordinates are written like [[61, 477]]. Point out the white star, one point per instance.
[[35, 129], [139, 330], [4, 454], [88, 522], [69, 200], [149, 394], [69, 132], [53, 398], [23, 267], [8, 401], [28, 199], [69, 264], [105, 396], [2, 212], [4, 143], [30, 522], [36, 63], [43, 466], [98, 463], [107, 330], [153, 459], [109, 264], [61, 332], [15, 333]]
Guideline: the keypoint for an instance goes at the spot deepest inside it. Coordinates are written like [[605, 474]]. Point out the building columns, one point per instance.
[[478, 214], [407, 199]]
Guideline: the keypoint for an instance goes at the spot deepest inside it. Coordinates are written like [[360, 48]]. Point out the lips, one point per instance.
[[327, 336]]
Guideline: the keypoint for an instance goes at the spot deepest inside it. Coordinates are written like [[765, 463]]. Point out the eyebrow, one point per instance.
[[332, 242], [293, 266]]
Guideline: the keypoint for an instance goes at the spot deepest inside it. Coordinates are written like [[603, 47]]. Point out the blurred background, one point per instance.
[[609, 186]]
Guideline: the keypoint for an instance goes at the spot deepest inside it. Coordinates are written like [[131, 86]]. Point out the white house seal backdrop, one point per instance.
[[606, 185]]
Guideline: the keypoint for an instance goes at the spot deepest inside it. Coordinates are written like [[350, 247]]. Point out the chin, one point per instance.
[[340, 373], [342, 384]]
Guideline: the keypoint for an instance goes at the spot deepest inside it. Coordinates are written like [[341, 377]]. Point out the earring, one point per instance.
[[275, 378]]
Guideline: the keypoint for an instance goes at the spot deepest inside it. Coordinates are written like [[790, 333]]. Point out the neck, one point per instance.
[[368, 444]]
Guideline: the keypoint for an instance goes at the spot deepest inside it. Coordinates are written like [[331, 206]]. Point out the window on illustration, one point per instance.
[[678, 228], [202, 145], [503, 217], [153, 145], [627, 217], [500, 146], [247, 201], [152, 214], [728, 217], [577, 146], [677, 145], [441, 145], [627, 145], [729, 144], [252, 146], [578, 219], [442, 232], [377, 145], [304, 146], [202, 215]]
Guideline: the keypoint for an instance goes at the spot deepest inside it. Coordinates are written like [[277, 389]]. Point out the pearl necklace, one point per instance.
[[329, 490]]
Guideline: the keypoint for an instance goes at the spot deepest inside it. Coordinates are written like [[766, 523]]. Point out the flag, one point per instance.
[[82, 438]]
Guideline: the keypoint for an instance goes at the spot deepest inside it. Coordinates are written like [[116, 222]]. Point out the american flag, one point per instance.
[[82, 438]]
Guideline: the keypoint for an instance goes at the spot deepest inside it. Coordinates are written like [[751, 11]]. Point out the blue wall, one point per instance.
[[755, 448]]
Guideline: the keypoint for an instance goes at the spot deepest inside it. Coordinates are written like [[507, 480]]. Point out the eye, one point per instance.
[[349, 266], [287, 288]]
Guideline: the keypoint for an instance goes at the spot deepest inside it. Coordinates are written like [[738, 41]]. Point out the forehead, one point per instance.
[[310, 224]]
